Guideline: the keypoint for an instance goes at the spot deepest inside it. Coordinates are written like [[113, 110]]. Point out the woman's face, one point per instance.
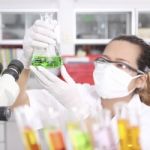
[[125, 52]]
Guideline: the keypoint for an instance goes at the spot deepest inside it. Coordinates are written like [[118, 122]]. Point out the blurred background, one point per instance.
[[86, 26]]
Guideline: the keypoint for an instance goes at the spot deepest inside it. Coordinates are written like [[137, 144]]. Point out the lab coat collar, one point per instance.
[[135, 103]]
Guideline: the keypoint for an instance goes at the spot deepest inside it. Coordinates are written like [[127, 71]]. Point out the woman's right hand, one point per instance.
[[73, 96]]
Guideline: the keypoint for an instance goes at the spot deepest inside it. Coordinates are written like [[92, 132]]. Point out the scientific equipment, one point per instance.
[[50, 57], [55, 139], [134, 130], [1, 67], [5, 113], [53, 133], [128, 127], [7, 83], [79, 135], [123, 125], [102, 132], [30, 139], [9, 89], [29, 135]]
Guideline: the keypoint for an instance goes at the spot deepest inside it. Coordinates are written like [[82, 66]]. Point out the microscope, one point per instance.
[[9, 89]]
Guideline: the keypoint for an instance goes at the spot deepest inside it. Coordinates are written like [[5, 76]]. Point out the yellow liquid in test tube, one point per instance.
[[128, 135], [30, 140], [133, 135], [123, 134]]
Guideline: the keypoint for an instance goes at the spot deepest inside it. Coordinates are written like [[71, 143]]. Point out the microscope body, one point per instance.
[[9, 89]]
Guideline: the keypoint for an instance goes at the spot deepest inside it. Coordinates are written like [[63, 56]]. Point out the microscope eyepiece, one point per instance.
[[14, 68], [5, 113]]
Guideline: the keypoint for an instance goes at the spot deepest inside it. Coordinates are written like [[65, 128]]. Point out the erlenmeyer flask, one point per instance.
[[48, 57]]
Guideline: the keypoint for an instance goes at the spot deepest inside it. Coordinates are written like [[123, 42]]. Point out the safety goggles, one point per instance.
[[121, 65]]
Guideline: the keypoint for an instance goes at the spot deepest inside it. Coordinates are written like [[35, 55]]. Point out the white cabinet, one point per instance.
[[98, 27], [93, 26], [102, 25], [14, 23], [90, 28]]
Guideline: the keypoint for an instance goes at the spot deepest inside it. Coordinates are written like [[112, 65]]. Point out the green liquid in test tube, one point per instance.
[[80, 139]]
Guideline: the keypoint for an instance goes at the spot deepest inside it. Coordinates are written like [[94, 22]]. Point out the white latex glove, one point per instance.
[[71, 95], [40, 35]]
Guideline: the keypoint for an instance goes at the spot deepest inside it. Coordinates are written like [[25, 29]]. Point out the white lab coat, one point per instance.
[[42, 100]]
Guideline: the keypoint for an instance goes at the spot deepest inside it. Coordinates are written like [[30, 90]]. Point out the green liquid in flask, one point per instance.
[[47, 62]]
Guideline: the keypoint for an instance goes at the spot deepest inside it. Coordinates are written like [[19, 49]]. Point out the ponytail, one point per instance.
[[145, 93]]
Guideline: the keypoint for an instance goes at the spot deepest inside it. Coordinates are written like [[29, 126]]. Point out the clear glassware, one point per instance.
[[121, 112], [134, 129], [102, 132], [78, 133], [29, 135], [53, 132], [128, 127], [49, 57]]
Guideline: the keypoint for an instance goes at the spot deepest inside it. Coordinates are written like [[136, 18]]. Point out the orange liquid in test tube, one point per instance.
[[56, 140], [30, 140]]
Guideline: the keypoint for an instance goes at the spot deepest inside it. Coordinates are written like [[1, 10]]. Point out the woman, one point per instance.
[[120, 75]]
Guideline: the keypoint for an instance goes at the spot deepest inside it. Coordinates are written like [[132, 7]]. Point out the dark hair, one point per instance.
[[143, 62]]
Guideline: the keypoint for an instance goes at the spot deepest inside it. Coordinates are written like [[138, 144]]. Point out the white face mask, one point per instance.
[[111, 82]]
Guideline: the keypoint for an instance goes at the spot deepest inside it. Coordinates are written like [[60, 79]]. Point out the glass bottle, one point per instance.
[[53, 132], [128, 127], [78, 134], [122, 125], [134, 130], [30, 137], [48, 57], [102, 132]]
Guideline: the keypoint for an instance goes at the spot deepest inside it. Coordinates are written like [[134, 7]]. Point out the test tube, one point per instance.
[[79, 135], [29, 135], [53, 133], [102, 132], [30, 139], [123, 125], [134, 130], [55, 139]]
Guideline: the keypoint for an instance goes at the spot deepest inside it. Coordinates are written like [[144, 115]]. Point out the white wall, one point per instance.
[[27, 4], [45, 4], [67, 23], [112, 3]]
